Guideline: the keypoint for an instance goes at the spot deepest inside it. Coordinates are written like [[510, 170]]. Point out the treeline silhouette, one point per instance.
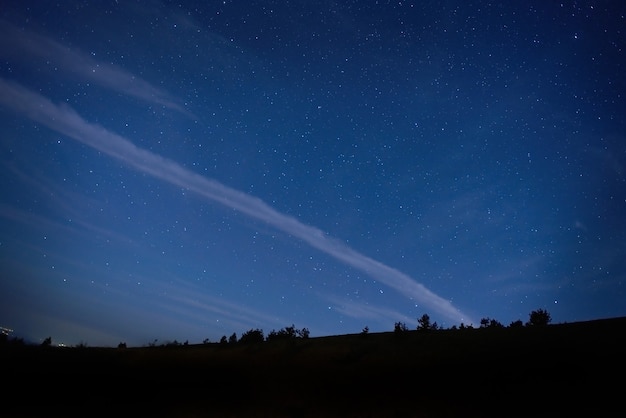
[[487, 370], [539, 317]]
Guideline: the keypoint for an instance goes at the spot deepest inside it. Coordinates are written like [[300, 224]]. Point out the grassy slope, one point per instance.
[[560, 369]]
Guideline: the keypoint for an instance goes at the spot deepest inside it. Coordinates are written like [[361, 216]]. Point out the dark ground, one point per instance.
[[558, 370]]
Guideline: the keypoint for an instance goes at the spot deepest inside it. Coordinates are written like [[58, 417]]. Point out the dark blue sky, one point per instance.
[[183, 172]]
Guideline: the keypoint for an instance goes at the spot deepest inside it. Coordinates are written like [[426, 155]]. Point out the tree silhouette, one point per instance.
[[490, 323], [424, 324], [47, 342], [303, 333], [233, 338], [540, 317], [399, 328], [252, 336], [288, 333]]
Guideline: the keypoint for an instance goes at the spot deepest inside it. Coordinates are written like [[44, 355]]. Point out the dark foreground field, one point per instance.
[[560, 370]]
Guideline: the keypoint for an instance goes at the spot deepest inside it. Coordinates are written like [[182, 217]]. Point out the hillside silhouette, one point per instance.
[[571, 369]]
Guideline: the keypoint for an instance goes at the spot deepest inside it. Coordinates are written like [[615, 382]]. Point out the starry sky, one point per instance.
[[182, 171]]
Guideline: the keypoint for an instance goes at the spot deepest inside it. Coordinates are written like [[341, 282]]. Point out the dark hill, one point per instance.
[[574, 369]]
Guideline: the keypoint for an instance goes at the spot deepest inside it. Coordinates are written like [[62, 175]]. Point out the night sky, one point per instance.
[[185, 171]]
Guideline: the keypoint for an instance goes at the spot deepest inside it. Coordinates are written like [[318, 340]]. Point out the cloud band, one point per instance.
[[66, 121]]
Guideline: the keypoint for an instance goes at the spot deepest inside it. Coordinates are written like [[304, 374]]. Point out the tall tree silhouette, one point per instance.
[[540, 317]]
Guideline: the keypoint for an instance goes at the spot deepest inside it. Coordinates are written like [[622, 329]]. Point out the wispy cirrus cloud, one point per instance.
[[66, 121], [21, 44], [366, 311], [192, 302]]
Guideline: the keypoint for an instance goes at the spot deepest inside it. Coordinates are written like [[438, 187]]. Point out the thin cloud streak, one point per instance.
[[25, 43], [182, 293], [66, 121], [365, 311]]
